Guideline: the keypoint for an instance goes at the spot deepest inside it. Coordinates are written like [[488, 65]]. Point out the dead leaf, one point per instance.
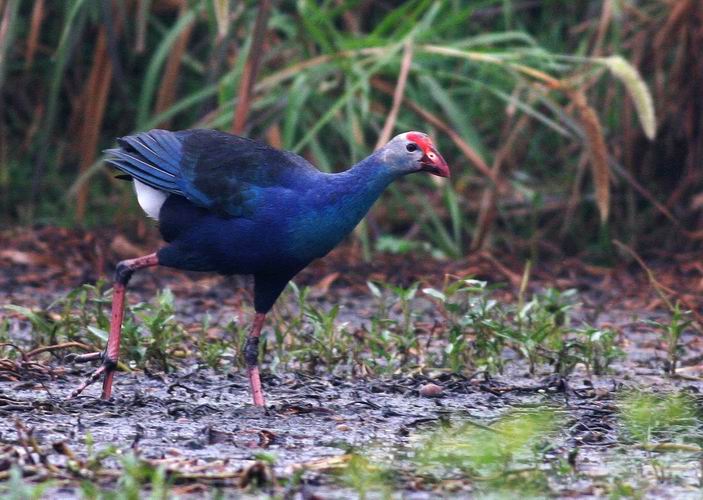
[[20, 257], [324, 284], [124, 248]]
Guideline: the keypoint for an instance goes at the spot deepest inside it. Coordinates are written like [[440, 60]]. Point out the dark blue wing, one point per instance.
[[214, 170]]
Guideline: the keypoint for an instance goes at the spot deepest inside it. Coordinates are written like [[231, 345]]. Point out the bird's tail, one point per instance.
[[150, 157]]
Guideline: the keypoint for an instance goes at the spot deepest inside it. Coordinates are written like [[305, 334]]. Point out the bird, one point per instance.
[[237, 206]]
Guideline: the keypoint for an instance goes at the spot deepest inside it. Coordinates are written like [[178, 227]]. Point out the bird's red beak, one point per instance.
[[433, 163], [431, 160]]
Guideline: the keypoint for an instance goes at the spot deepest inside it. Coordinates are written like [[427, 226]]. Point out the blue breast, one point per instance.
[[289, 227]]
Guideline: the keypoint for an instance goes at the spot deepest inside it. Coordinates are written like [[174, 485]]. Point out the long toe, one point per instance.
[[103, 369], [83, 358]]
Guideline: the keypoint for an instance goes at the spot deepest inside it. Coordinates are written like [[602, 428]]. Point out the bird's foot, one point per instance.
[[107, 369], [89, 381]]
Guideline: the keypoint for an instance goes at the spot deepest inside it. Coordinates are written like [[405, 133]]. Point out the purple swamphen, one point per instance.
[[233, 205]]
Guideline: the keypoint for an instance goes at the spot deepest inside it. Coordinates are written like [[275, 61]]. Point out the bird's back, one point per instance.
[[238, 206], [214, 170], [223, 202]]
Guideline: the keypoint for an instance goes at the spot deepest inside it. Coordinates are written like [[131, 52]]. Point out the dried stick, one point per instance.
[[661, 289], [251, 68], [397, 94]]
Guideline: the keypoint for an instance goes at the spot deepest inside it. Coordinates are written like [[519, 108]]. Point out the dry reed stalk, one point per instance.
[[221, 8], [398, 93], [34, 30], [251, 68], [276, 78], [597, 149], [4, 171], [664, 292], [140, 32], [606, 17], [168, 5], [574, 197], [34, 125], [94, 100], [680, 11], [274, 137], [630, 136], [7, 35], [489, 207], [169, 82]]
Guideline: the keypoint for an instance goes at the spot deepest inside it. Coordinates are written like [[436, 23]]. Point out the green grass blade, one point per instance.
[[151, 78], [9, 23]]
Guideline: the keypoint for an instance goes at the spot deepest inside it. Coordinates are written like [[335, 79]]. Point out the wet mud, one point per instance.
[[201, 426]]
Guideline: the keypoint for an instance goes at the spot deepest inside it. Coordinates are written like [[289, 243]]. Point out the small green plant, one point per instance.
[[472, 320], [598, 347], [95, 458], [287, 324], [212, 352], [366, 477], [679, 321], [647, 417], [310, 335], [479, 328], [659, 422], [150, 332], [382, 358], [328, 341], [595, 348], [83, 315], [491, 455], [391, 244], [79, 315], [381, 336], [17, 488], [540, 326], [623, 488], [404, 337], [137, 475], [4, 330]]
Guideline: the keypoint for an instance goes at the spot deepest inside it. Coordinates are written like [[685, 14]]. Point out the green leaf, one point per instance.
[[151, 78], [434, 293], [99, 333]]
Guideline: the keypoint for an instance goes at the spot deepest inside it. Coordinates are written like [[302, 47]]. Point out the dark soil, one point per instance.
[[201, 424]]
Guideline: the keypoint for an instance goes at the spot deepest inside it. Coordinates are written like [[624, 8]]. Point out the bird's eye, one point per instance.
[[411, 147]]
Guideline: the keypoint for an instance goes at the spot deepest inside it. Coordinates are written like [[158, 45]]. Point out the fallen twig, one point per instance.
[[664, 292], [56, 347]]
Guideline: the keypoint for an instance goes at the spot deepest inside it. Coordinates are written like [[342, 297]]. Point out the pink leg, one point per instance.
[[251, 355], [123, 273]]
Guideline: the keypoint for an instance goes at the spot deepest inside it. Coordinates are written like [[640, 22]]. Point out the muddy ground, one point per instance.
[[201, 424]]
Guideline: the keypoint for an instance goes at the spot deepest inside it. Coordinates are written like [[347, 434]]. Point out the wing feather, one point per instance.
[[214, 170]]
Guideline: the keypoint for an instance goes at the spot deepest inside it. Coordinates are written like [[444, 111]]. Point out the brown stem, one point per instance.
[[251, 68]]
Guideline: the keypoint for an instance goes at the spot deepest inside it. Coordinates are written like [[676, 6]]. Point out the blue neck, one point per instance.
[[337, 202], [359, 187]]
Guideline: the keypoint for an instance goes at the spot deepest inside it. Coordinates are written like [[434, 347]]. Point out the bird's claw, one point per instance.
[[86, 358], [90, 381], [106, 368]]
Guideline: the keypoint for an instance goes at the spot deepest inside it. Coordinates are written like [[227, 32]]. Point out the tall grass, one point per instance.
[[511, 91]]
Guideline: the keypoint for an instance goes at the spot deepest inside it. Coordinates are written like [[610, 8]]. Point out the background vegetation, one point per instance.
[[572, 127], [565, 123]]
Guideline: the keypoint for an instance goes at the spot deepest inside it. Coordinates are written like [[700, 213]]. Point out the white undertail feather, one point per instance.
[[149, 199]]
